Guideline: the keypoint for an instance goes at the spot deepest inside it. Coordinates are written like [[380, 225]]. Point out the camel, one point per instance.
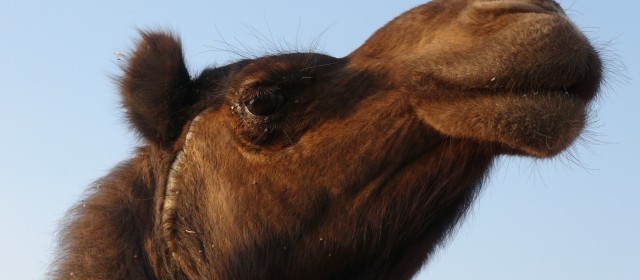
[[306, 166]]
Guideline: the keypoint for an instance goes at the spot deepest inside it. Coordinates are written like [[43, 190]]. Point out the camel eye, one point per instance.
[[265, 105]]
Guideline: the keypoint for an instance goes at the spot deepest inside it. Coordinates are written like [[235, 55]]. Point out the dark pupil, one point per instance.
[[265, 105]]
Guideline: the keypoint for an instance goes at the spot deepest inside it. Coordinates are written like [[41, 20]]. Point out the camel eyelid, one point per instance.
[[265, 105]]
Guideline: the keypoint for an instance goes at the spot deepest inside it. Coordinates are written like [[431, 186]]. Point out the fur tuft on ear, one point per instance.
[[156, 88]]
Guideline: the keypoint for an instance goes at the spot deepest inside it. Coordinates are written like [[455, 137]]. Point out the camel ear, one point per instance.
[[156, 89]]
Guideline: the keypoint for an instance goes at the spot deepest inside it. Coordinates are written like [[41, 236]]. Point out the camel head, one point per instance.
[[307, 166]]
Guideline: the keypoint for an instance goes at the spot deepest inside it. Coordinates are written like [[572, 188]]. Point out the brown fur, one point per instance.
[[305, 166]]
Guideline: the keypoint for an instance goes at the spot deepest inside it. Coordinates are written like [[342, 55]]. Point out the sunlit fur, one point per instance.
[[364, 169]]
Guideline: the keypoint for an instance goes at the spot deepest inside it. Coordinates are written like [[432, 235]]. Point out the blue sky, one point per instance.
[[62, 129]]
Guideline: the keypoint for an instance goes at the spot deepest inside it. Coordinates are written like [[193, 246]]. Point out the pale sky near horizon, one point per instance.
[[62, 129]]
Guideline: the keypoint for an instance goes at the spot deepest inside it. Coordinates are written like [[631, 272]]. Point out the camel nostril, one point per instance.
[[518, 6]]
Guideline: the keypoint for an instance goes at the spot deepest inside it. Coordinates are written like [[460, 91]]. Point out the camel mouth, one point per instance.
[[569, 91], [583, 87]]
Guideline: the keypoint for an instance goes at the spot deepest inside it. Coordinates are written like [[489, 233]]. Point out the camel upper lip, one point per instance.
[[511, 7]]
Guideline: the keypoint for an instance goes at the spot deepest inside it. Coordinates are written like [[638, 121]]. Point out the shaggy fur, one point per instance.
[[306, 166]]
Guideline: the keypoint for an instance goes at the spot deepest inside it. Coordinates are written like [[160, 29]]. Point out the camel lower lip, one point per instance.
[[509, 7], [539, 124]]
